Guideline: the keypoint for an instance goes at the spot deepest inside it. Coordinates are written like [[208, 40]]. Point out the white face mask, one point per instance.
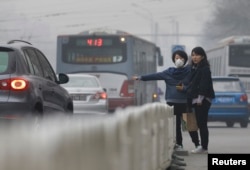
[[179, 63]]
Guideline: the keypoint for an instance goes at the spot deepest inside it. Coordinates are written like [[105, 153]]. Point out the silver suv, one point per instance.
[[28, 83]]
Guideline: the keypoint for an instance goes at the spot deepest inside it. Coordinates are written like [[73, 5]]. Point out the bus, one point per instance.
[[232, 58], [114, 57]]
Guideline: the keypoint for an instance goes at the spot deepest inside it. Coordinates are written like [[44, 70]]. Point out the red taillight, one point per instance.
[[100, 95], [18, 84], [14, 84], [5, 84], [243, 98], [127, 89]]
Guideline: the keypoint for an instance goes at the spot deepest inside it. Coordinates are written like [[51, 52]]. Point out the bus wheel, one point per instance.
[[230, 123], [244, 123]]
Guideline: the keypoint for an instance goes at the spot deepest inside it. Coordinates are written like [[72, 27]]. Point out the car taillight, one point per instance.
[[14, 84], [100, 95], [243, 98], [127, 89]]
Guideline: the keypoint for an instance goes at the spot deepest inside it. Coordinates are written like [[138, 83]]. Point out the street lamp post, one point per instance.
[[176, 29], [153, 25]]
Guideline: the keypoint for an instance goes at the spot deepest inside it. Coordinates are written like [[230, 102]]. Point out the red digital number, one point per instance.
[[90, 42], [95, 42]]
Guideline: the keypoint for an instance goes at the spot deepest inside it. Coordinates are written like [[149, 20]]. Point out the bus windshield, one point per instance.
[[97, 50], [239, 55]]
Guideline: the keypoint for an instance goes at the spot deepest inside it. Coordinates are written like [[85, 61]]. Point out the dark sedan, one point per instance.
[[28, 83]]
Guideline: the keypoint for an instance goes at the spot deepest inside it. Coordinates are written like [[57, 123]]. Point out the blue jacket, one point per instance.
[[172, 77]]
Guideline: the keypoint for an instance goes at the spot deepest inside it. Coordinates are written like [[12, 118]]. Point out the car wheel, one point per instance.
[[68, 112], [37, 117], [230, 123], [244, 123]]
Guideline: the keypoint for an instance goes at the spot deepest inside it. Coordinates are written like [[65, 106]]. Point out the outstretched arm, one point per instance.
[[153, 76]]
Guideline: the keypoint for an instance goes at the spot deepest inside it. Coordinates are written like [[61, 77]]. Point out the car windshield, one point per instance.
[[226, 86], [4, 60], [76, 81]]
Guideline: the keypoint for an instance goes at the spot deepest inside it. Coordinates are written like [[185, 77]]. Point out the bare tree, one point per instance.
[[230, 18]]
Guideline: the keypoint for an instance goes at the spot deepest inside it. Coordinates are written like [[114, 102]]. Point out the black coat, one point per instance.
[[200, 83]]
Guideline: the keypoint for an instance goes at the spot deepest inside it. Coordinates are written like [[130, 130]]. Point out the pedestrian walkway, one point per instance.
[[190, 161]]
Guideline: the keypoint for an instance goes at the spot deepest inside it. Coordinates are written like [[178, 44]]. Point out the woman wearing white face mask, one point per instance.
[[179, 62], [174, 97]]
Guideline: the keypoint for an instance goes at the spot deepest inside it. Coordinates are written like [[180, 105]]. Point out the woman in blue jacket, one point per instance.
[[172, 76]]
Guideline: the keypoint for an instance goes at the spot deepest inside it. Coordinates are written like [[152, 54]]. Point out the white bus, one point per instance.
[[114, 58], [232, 58]]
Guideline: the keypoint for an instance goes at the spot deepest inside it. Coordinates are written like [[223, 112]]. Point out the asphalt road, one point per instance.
[[221, 140]]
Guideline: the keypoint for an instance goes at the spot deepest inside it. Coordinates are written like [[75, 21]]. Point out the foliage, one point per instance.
[[229, 18]]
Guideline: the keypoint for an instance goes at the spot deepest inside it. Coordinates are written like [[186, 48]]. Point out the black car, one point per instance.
[[28, 83]]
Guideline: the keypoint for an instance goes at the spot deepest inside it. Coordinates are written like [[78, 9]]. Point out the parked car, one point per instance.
[[231, 103], [28, 84], [87, 93]]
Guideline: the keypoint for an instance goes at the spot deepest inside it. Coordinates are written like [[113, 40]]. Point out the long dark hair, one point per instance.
[[200, 51]]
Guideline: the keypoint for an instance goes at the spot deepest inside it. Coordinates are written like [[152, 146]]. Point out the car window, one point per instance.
[[4, 61], [7, 61], [47, 69], [226, 86], [81, 82], [36, 66], [28, 62]]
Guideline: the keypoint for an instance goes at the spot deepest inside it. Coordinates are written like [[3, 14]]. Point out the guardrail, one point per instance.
[[135, 138]]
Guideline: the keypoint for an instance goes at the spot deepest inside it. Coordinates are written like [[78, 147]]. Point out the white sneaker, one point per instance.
[[199, 150], [178, 147]]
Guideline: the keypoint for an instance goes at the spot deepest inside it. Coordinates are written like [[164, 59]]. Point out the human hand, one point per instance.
[[179, 87], [199, 104], [135, 78]]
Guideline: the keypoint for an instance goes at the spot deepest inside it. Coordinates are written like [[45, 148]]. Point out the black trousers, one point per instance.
[[201, 113], [180, 108]]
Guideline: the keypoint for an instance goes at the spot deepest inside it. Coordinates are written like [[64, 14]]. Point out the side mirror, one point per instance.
[[63, 78], [160, 61]]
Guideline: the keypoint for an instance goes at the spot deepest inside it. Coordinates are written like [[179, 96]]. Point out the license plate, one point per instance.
[[224, 100], [78, 97]]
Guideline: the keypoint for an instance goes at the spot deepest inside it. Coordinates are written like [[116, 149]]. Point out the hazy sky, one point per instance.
[[41, 21]]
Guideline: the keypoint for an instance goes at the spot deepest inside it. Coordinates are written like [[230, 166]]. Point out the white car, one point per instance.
[[87, 93]]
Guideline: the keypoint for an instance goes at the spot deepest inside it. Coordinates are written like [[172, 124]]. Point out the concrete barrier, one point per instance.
[[135, 138]]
